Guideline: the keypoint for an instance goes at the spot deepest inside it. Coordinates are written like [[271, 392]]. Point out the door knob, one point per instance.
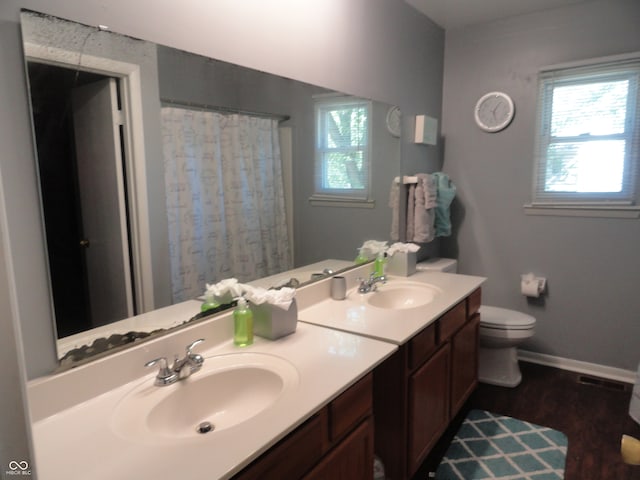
[[84, 243]]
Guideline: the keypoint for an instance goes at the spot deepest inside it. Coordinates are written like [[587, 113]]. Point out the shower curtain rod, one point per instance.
[[217, 108]]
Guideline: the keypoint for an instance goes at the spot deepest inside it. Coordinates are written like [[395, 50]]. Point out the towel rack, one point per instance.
[[406, 179]]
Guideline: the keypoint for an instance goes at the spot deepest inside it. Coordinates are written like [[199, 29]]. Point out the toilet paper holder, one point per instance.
[[531, 285]]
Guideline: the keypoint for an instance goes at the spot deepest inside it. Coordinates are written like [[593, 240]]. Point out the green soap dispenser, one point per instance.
[[361, 258], [379, 264], [209, 302], [242, 324]]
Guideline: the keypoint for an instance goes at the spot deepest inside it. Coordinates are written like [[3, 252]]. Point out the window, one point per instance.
[[342, 148], [588, 130]]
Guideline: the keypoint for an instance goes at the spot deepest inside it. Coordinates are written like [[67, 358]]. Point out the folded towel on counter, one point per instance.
[[282, 298], [446, 194], [394, 204], [399, 247]]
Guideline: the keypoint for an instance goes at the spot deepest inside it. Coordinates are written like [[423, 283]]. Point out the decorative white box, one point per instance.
[[403, 264], [273, 322], [426, 130]]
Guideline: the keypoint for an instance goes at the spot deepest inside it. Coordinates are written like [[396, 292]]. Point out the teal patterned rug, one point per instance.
[[494, 446]]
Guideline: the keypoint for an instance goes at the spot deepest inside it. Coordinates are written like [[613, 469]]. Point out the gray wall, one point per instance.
[[378, 49], [13, 424], [592, 264]]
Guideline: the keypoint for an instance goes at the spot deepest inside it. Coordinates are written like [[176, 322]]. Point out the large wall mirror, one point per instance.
[[161, 171]]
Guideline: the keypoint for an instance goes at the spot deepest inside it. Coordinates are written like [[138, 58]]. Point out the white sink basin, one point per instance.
[[227, 391], [399, 295]]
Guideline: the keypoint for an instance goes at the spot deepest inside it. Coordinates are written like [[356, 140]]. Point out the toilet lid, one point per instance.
[[495, 317]]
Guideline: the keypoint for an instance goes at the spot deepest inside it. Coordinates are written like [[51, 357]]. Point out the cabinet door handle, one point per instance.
[[84, 243]]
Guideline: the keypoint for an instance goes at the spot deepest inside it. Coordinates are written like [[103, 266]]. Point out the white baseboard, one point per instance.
[[601, 371]]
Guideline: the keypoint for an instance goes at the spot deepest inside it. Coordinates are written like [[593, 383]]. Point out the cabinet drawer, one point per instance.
[[422, 346], [473, 302], [451, 321], [346, 411]]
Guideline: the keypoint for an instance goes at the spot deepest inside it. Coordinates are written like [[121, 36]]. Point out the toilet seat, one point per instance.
[[503, 319]]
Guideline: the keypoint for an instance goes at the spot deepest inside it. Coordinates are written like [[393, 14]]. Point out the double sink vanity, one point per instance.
[[399, 361]]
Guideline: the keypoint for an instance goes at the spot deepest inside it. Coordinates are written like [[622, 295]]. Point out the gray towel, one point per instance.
[[411, 212], [394, 204], [429, 189], [424, 212]]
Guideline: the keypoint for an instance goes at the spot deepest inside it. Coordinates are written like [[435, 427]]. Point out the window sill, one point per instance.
[[344, 202], [596, 211]]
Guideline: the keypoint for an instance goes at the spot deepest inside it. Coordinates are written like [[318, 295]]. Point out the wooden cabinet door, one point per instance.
[[428, 406], [464, 363], [292, 456], [351, 459]]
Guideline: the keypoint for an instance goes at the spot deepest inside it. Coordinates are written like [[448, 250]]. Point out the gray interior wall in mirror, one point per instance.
[[392, 53], [320, 232], [336, 232]]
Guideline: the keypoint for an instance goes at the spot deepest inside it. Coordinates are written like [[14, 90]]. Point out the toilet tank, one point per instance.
[[447, 265]]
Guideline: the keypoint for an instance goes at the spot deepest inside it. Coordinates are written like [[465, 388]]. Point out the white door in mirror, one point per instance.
[[494, 111]]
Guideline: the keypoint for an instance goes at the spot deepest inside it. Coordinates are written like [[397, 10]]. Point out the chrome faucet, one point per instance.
[[181, 369], [191, 363], [370, 285]]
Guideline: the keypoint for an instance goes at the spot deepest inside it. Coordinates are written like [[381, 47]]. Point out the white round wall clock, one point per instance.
[[494, 111], [394, 116]]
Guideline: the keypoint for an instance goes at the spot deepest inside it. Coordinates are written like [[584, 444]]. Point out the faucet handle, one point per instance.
[[165, 376], [193, 344], [195, 358]]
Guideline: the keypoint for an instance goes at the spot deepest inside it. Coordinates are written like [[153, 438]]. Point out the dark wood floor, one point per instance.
[[593, 416]]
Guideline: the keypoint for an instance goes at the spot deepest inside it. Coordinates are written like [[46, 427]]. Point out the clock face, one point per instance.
[[494, 111], [393, 121]]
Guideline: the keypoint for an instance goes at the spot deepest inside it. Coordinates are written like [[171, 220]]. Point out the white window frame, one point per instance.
[[550, 203], [340, 196]]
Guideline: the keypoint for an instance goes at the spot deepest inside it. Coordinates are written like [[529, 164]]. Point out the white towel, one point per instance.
[[394, 204]]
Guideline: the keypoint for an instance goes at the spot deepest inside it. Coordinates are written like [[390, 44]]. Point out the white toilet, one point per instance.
[[501, 331]]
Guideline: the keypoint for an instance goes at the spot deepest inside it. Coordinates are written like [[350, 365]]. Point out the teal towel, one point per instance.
[[446, 194]]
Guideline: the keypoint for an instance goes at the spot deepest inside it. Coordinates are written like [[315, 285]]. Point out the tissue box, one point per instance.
[[273, 322], [402, 264]]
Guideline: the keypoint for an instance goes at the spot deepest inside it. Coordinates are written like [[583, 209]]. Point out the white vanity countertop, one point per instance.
[[81, 443], [355, 315], [75, 433]]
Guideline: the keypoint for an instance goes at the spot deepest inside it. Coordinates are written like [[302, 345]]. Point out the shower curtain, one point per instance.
[[225, 201]]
